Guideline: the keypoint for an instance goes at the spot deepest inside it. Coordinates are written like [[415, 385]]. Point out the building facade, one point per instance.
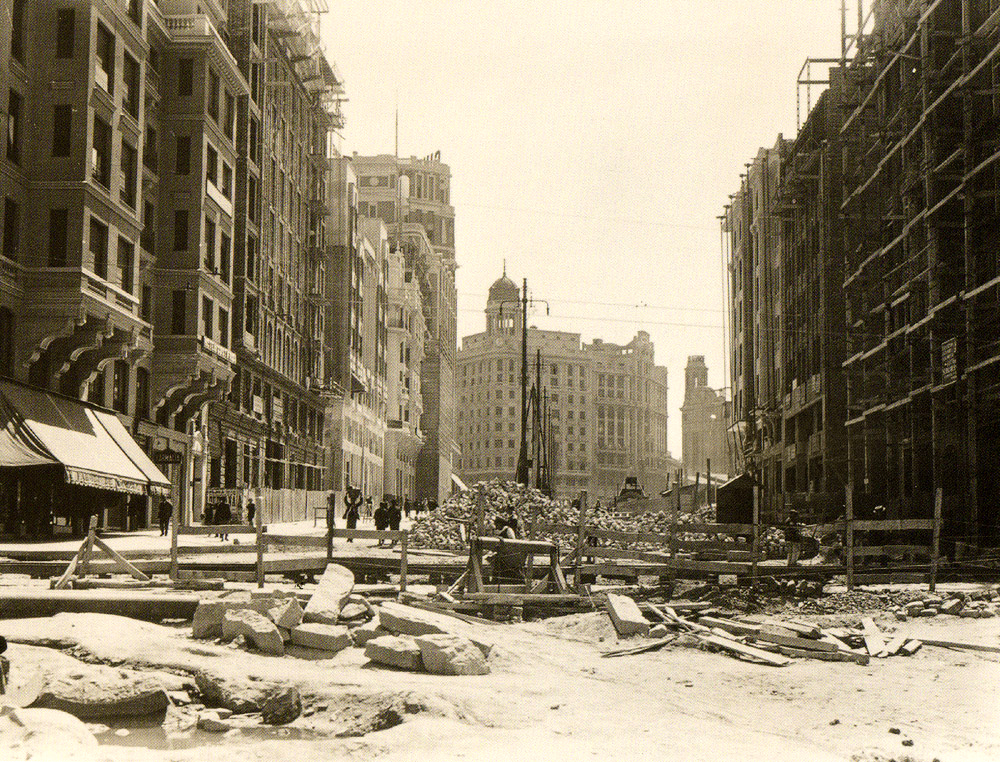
[[606, 405], [412, 197], [137, 135], [705, 415]]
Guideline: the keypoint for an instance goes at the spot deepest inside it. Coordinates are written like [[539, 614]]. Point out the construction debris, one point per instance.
[[626, 617]]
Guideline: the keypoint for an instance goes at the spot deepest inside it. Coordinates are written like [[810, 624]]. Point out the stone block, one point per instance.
[[322, 637], [367, 631], [952, 606], [969, 613], [407, 620], [928, 612], [446, 654], [287, 614], [211, 722], [239, 697], [282, 706], [99, 692], [256, 628], [208, 615], [658, 631], [332, 592], [401, 652], [913, 608], [626, 616]]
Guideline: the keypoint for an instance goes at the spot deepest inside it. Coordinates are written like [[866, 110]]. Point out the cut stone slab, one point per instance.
[[367, 631], [287, 614], [239, 697], [407, 620], [282, 706], [322, 637], [401, 652], [45, 734], [626, 616], [256, 628], [447, 654], [952, 606], [208, 616], [95, 692], [913, 608], [332, 592]]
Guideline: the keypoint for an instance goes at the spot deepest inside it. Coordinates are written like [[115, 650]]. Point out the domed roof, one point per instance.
[[504, 290]]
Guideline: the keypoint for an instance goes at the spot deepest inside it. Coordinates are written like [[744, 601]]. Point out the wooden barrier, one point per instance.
[[400, 536], [192, 531]]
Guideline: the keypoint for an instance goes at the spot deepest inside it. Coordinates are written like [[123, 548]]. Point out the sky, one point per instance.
[[592, 145]]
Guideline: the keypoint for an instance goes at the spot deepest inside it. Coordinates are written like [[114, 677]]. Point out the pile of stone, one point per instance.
[[981, 604]]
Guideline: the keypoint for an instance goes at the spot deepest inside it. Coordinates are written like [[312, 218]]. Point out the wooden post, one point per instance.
[[88, 547], [755, 553], [675, 515], [849, 522], [708, 481], [402, 562], [580, 540], [480, 509], [936, 546], [329, 539], [260, 548], [174, 519]]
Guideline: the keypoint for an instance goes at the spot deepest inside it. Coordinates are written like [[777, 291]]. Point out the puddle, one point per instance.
[[150, 734]]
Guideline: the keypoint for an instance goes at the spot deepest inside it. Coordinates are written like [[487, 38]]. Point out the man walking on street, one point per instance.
[[164, 514]]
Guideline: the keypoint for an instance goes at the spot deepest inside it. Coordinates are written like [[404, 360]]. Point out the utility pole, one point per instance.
[[537, 419], [522, 476], [546, 431]]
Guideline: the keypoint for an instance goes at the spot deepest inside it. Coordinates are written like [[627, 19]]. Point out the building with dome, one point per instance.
[[607, 404]]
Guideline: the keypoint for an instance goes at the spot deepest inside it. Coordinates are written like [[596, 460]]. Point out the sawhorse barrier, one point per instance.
[[372, 534]]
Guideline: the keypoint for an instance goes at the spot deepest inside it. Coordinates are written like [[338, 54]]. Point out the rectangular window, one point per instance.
[[65, 32], [14, 106], [130, 80], [126, 264], [119, 387], [130, 168], [180, 229], [209, 245], [206, 317], [17, 30], [178, 312], [253, 130], [212, 166], [11, 228], [101, 154], [62, 129], [147, 239], [230, 117], [224, 257], [223, 327], [227, 181], [141, 393], [146, 303], [99, 247], [213, 94], [149, 150], [58, 237], [182, 164], [185, 76], [105, 51]]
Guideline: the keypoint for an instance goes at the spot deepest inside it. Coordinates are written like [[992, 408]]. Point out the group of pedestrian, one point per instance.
[[219, 514], [388, 516]]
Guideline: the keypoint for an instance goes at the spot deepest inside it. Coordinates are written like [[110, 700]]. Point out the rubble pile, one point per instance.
[[441, 529]]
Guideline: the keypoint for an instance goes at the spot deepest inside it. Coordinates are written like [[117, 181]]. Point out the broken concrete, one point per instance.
[[407, 620], [322, 637], [282, 706], [401, 652], [332, 592], [447, 654], [238, 697], [256, 628], [207, 622]]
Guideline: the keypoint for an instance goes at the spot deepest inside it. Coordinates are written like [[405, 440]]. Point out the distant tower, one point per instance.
[[503, 309], [703, 422], [695, 375]]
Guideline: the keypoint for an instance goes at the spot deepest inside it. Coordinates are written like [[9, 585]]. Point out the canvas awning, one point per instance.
[[92, 446]]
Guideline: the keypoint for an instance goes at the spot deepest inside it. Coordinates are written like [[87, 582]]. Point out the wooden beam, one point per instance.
[[125, 565], [745, 650], [655, 646], [580, 540]]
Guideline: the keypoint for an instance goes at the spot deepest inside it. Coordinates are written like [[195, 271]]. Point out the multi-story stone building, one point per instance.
[[166, 151], [705, 417], [413, 198], [607, 404]]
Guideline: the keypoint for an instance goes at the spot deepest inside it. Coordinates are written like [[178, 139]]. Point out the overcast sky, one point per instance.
[[592, 144]]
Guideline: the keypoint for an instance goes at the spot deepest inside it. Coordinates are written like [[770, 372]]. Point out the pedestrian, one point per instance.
[[4, 665], [793, 537], [223, 516], [406, 507], [208, 518], [353, 512], [251, 512], [164, 514], [394, 518], [368, 506], [381, 519]]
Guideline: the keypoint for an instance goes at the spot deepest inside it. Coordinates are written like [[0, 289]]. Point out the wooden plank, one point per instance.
[[367, 534], [960, 646], [834, 655], [296, 540], [888, 550], [519, 598], [893, 525], [220, 529], [123, 564], [581, 540], [744, 529], [630, 537], [526, 546], [793, 642], [88, 547], [63, 580], [655, 646], [745, 650], [736, 628], [910, 647], [555, 529], [893, 646], [874, 640], [800, 627], [619, 553]]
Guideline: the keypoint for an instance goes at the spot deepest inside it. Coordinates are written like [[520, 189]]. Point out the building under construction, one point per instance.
[[921, 236]]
